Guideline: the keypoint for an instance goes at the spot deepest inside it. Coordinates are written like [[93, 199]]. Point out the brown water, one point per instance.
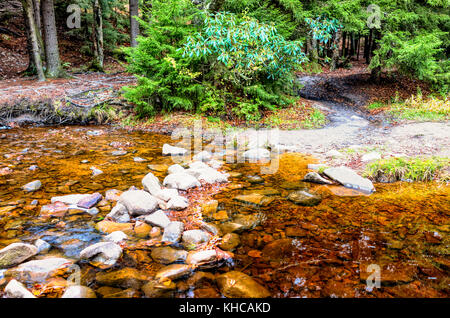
[[320, 251]]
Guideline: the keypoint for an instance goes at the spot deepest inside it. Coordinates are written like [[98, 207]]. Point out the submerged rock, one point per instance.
[[316, 178], [138, 202], [173, 272], [90, 201], [254, 199], [168, 255], [15, 289], [125, 278], [41, 270], [158, 168], [304, 198], [230, 241], [32, 186], [156, 289], [116, 237], [236, 284], [110, 227], [195, 237], [79, 292], [349, 178], [105, 253], [200, 257], [16, 253], [71, 199], [42, 246]]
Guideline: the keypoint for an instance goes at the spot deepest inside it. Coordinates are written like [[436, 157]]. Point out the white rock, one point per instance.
[[32, 186], [79, 292], [177, 203], [119, 214], [71, 199], [42, 246], [40, 270], [176, 168], [198, 257], [174, 151], [334, 154], [166, 194], [195, 237], [215, 164], [257, 154], [106, 253], [181, 181], [158, 218], [116, 237], [15, 289], [349, 178], [203, 156], [173, 232], [198, 165], [151, 183], [138, 202]]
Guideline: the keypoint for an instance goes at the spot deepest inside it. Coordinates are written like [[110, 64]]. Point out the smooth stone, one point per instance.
[[166, 194], [57, 209], [181, 181], [349, 178], [16, 253], [138, 202], [215, 164], [210, 207], [158, 218], [96, 171], [151, 184], [119, 214], [174, 151], [334, 154], [177, 203], [32, 186], [230, 241], [15, 289], [173, 231], [200, 257], [155, 289], [208, 175], [316, 178], [79, 292], [119, 153], [109, 227], [236, 284], [139, 159], [71, 199], [304, 198], [173, 272], [116, 237], [168, 255], [141, 229], [105, 253], [40, 270], [176, 168], [42, 246], [195, 237], [257, 154], [125, 278], [316, 166], [202, 156], [255, 179], [254, 199], [90, 201], [112, 195]]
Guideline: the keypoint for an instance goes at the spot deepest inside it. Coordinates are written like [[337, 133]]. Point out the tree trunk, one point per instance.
[[54, 68], [375, 74], [134, 24], [344, 38], [37, 15], [98, 34], [335, 56], [32, 38]]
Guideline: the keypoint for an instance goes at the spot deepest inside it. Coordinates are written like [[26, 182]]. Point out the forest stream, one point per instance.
[[291, 250]]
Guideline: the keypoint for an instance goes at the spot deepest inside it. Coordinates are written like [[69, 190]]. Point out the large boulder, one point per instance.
[[103, 253], [138, 202], [15, 289], [236, 284], [16, 253], [349, 178], [151, 184], [181, 181]]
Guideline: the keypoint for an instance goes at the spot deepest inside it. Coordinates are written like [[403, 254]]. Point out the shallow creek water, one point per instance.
[[296, 251]]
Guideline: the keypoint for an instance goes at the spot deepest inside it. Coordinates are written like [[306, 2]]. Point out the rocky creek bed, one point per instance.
[[103, 212]]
